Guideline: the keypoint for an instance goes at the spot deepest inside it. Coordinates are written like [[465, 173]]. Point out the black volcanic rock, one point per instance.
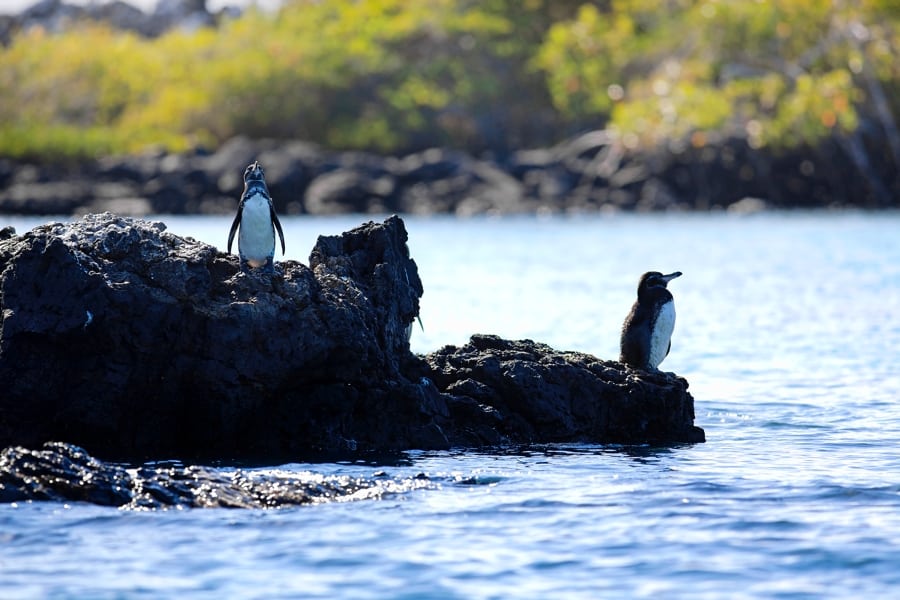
[[347, 190], [529, 391], [66, 473], [591, 173], [58, 15], [135, 343]]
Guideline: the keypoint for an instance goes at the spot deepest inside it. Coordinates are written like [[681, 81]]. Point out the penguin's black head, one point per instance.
[[254, 172], [656, 279]]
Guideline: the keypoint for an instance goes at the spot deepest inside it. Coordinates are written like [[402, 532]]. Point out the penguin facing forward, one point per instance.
[[258, 222], [647, 332]]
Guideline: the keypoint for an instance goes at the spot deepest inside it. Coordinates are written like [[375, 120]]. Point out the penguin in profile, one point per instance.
[[647, 332], [258, 222]]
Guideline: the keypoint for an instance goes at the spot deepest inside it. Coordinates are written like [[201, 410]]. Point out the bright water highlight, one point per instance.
[[788, 330]]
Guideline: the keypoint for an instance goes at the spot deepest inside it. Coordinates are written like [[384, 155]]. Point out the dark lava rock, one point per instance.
[[440, 181], [523, 390], [135, 343], [591, 173], [347, 191], [57, 15], [66, 473]]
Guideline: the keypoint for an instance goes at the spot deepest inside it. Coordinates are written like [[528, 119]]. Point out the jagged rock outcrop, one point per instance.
[[524, 390], [131, 341], [135, 343]]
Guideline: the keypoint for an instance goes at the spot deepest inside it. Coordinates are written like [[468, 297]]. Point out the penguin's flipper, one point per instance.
[[234, 228], [636, 343], [668, 348], [641, 351], [277, 226]]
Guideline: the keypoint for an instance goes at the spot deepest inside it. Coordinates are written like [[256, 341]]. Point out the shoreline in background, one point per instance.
[[590, 173], [14, 7], [347, 147]]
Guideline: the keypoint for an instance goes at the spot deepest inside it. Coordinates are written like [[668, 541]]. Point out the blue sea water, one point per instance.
[[788, 331]]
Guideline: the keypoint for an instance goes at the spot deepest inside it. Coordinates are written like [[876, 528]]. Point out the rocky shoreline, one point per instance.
[[137, 344], [57, 15], [591, 173]]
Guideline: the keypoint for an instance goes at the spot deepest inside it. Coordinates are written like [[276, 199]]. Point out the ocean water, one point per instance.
[[788, 331]]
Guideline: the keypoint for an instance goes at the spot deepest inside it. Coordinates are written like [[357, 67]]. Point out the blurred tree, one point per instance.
[[493, 75], [782, 73]]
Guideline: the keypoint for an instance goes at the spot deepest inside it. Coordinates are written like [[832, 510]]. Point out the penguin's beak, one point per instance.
[[671, 276], [254, 172]]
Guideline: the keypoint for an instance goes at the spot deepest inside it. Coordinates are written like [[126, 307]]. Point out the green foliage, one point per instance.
[[782, 73], [63, 97], [582, 62], [394, 75]]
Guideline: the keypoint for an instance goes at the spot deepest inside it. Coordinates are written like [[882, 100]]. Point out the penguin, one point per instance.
[[257, 219], [647, 331]]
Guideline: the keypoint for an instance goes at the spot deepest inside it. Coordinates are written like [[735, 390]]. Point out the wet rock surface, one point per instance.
[[137, 344], [66, 473]]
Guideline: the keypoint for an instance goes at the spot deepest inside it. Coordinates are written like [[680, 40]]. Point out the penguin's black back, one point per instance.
[[637, 331]]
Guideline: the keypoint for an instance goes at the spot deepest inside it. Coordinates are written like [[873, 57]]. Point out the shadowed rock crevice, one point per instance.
[[138, 344]]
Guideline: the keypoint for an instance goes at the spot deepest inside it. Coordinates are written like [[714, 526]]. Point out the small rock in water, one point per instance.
[[66, 473]]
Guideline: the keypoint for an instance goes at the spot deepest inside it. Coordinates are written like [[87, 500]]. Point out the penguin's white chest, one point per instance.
[[256, 241], [661, 335]]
